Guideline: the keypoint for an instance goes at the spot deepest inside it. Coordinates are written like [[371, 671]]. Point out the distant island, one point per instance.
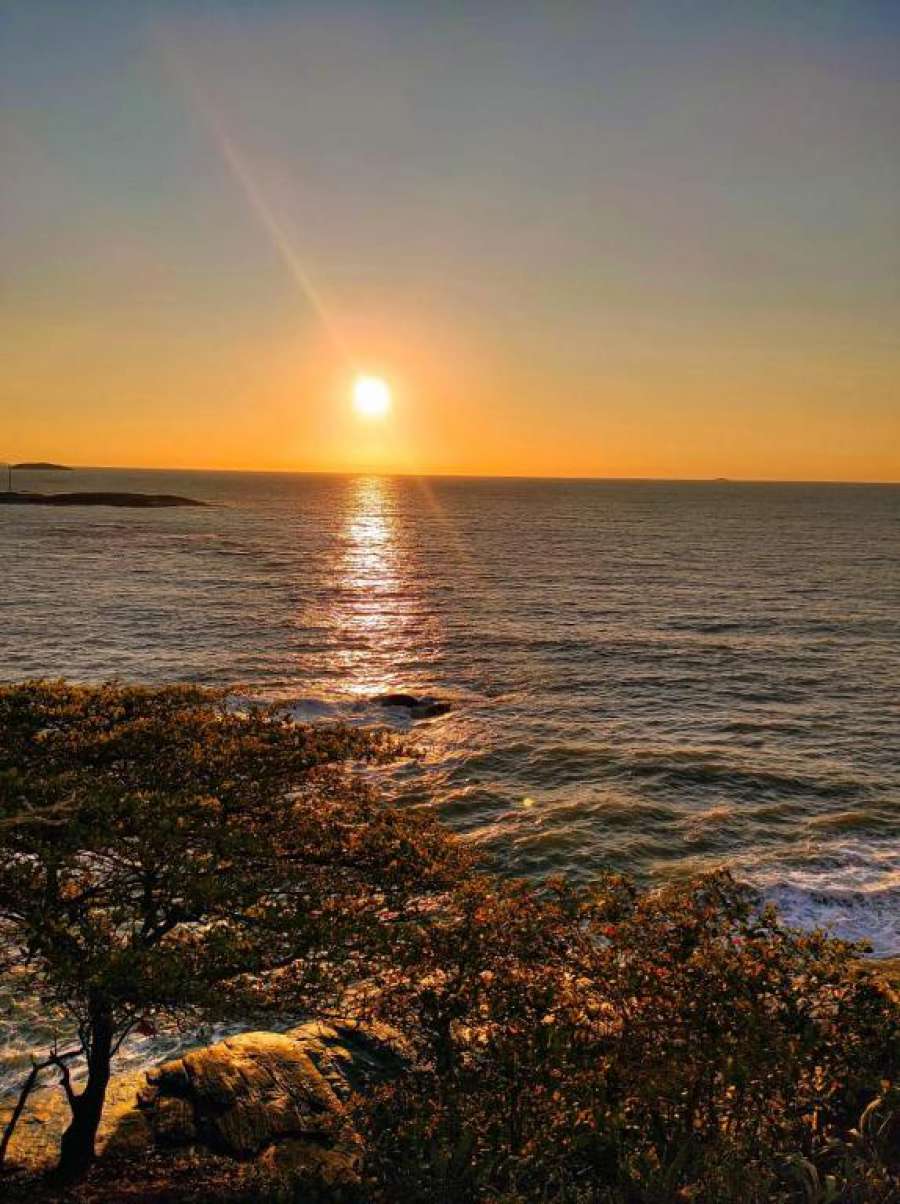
[[41, 466], [136, 500]]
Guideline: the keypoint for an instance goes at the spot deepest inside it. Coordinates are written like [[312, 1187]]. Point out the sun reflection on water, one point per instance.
[[378, 606]]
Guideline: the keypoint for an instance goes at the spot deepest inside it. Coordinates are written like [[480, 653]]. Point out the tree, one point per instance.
[[162, 856]]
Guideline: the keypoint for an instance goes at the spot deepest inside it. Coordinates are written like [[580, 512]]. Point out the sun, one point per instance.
[[371, 396]]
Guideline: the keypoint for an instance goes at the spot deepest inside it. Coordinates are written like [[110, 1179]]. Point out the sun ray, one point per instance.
[[240, 169]]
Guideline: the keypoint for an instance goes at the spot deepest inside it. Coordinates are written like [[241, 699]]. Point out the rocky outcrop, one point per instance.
[[426, 707], [255, 1090], [264, 1102], [257, 1095], [35, 1143], [139, 501]]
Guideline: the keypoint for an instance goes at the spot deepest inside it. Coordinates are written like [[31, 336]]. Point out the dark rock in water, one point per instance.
[[136, 500], [420, 708], [396, 700]]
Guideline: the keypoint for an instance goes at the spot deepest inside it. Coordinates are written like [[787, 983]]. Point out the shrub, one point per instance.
[[616, 1046]]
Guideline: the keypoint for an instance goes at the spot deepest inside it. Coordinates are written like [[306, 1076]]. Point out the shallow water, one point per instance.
[[654, 676]]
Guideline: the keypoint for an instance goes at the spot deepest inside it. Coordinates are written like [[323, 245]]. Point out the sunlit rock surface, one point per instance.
[[271, 1101]]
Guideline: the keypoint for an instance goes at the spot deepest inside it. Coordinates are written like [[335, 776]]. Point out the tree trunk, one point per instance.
[[76, 1152]]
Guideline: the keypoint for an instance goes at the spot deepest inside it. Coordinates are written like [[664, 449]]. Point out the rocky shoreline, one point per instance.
[[134, 500], [258, 1104]]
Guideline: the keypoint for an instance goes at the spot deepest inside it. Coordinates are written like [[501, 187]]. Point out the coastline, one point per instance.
[[86, 498], [241, 866]]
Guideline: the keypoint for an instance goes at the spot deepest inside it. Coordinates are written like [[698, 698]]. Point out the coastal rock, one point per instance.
[[140, 501], [239, 1096], [426, 707], [247, 1093], [276, 1101], [35, 1144], [255, 1104], [353, 1057]]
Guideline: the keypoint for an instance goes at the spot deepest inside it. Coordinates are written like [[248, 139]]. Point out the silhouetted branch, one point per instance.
[[54, 1059]]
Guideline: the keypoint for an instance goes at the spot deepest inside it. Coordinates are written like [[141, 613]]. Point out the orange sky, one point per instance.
[[618, 250], [282, 404]]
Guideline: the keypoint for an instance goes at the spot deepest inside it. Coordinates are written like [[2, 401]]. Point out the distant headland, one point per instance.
[[41, 466], [135, 500]]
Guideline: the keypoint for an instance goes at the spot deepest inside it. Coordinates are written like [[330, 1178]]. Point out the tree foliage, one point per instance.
[[161, 855]]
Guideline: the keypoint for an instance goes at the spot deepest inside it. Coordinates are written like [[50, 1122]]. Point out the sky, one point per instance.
[[576, 239]]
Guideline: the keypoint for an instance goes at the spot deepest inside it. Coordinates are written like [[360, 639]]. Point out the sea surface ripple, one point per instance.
[[659, 677]]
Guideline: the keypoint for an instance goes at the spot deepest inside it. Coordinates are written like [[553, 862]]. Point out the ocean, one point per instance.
[[656, 677]]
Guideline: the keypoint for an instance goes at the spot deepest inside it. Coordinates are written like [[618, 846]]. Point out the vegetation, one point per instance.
[[162, 856], [623, 1047]]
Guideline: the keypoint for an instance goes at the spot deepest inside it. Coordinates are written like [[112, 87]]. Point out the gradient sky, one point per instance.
[[592, 239]]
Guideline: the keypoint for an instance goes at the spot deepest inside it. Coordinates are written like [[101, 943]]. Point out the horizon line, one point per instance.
[[472, 476]]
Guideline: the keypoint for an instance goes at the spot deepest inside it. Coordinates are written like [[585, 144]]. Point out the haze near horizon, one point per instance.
[[646, 240]]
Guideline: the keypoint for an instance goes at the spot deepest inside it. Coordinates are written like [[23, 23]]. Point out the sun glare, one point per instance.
[[371, 397]]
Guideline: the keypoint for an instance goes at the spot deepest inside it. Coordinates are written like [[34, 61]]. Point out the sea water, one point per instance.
[[658, 677]]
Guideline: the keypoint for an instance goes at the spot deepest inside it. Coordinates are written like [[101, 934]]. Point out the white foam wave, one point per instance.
[[850, 888]]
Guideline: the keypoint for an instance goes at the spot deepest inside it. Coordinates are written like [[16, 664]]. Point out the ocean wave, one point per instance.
[[851, 889], [746, 781]]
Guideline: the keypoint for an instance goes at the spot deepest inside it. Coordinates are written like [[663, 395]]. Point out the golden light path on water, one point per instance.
[[380, 580], [383, 617], [370, 586]]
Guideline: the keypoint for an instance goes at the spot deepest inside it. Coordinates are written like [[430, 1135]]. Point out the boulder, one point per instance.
[[253, 1106], [277, 1098], [241, 1096], [35, 1143], [353, 1057], [426, 707]]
